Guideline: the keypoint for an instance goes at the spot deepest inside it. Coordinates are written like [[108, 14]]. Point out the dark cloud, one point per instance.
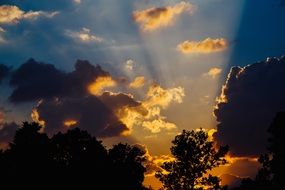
[[35, 80], [64, 99], [89, 113], [4, 70], [7, 131], [117, 100], [250, 98]]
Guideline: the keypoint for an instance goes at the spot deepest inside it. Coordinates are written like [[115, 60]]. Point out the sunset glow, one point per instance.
[[141, 73]]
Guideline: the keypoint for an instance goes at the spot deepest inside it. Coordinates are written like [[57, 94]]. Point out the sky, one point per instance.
[[140, 71]]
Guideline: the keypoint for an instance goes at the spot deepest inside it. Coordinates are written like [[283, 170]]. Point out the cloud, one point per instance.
[[4, 70], [2, 39], [148, 115], [138, 82], [96, 88], [88, 113], [213, 72], [10, 14], [79, 99], [35, 80], [157, 96], [153, 163], [77, 1], [84, 36], [249, 100], [208, 45], [155, 126], [129, 64], [157, 17], [7, 131]]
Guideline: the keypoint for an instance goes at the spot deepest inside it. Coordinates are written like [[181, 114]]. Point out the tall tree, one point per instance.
[[194, 156]]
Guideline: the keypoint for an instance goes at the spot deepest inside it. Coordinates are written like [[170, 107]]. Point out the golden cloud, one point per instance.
[[36, 118], [156, 17], [148, 114], [84, 36], [138, 82], [96, 88], [155, 126], [12, 14], [213, 72], [208, 45], [69, 123], [153, 163], [157, 96]]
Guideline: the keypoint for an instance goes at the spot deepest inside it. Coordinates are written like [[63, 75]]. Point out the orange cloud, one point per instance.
[[12, 14], [155, 126], [138, 82], [156, 17], [208, 45], [148, 114], [69, 123], [36, 118], [153, 163], [96, 88], [213, 72], [157, 96]]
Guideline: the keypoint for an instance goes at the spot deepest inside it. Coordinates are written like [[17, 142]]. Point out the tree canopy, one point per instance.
[[194, 156]]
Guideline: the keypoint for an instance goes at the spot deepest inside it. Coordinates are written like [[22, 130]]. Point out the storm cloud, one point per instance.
[[88, 113], [35, 80], [249, 101]]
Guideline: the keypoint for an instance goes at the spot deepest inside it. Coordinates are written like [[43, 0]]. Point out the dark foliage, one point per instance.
[[71, 160], [194, 156]]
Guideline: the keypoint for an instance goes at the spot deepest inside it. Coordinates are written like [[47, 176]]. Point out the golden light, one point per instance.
[[96, 88], [138, 82], [69, 123], [36, 118]]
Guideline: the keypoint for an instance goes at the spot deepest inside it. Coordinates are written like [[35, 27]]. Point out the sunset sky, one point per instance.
[[141, 71]]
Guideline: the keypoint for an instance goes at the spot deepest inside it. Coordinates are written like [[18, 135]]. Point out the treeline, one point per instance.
[[76, 159]]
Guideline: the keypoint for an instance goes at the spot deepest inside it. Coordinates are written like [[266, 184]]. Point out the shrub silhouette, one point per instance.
[[194, 156]]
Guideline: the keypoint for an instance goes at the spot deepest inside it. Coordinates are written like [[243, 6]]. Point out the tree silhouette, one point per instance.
[[127, 166], [194, 156], [73, 159], [271, 175]]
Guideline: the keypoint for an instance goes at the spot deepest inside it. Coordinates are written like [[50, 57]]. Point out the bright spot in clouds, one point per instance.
[[208, 45]]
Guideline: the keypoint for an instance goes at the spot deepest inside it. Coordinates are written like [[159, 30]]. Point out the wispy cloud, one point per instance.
[[208, 45], [156, 17], [84, 35], [10, 14]]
